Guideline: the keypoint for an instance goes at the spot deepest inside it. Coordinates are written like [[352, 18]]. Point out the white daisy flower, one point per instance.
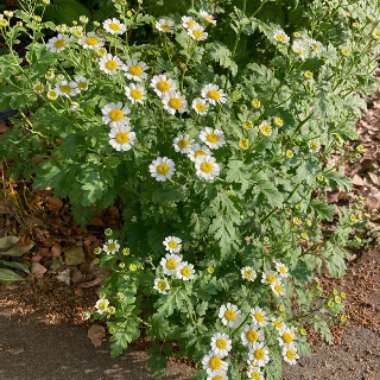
[[254, 373], [259, 317], [185, 271], [67, 88], [213, 94], [209, 18], [162, 169], [189, 22], [82, 82], [281, 36], [229, 315], [161, 285], [91, 41], [258, 355], [277, 289], [213, 138], [198, 33], [162, 85], [111, 247], [170, 264], [114, 26], [58, 43], [287, 336], [135, 93], [269, 278], [290, 354], [102, 305], [278, 323], [315, 47], [183, 144], [136, 70], [115, 114], [174, 102], [207, 168], [282, 270], [110, 64], [200, 106], [198, 151], [300, 48], [251, 335], [217, 375], [165, 25], [314, 146], [172, 244], [248, 273], [213, 362], [122, 138], [221, 344]]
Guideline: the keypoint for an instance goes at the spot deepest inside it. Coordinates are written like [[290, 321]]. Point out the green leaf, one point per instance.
[[165, 196], [15, 265], [158, 357], [223, 56], [7, 242], [323, 209], [7, 275]]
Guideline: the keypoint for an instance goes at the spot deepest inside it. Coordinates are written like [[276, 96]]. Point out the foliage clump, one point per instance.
[[214, 128]]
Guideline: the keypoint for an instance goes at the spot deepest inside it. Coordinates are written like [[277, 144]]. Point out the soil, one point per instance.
[[43, 335]]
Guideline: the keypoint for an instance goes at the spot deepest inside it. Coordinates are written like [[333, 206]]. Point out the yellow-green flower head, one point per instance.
[[121, 265], [244, 143], [37, 18], [376, 34], [210, 269], [126, 251], [289, 153], [248, 124], [297, 221], [265, 128], [98, 250], [8, 14], [38, 88], [308, 74], [3, 22], [83, 19], [111, 310], [256, 103], [108, 232], [345, 51], [278, 121], [133, 267], [52, 95]]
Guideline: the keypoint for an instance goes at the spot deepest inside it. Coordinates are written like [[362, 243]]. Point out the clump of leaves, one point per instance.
[[214, 130]]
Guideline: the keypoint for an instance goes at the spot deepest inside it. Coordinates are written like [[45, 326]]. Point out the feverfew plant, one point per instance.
[[212, 128]]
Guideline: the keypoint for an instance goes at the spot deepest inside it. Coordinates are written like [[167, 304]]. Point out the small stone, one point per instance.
[[38, 270], [74, 256]]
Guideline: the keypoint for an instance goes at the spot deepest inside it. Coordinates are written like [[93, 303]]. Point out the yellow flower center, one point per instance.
[[215, 363], [165, 27], [161, 285], [255, 375], [282, 269], [198, 34], [200, 107], [111, 65], [114, 26], [111, 246], [175, 103], [230, 314], [206, 167], [266, 130], [221, 343], [171, 264], [278, 288], [259, 354], [277, 323], [217, 377], [82, 85], [122, 138], [248, 125], [290, 354], [259, 316], [214, 95], [92, 41], [244, 144], [186, 272], [191, 23], [163, 169], [59, 44], [136, 94], [65, 89], [252, 336], [212, 138], [199, 153], [163, 86], [287, 337], [102, 306], [116, 114], [248, 274], [136, 70], [172, 244], [280, 38], [271, 278], [183, 144]]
